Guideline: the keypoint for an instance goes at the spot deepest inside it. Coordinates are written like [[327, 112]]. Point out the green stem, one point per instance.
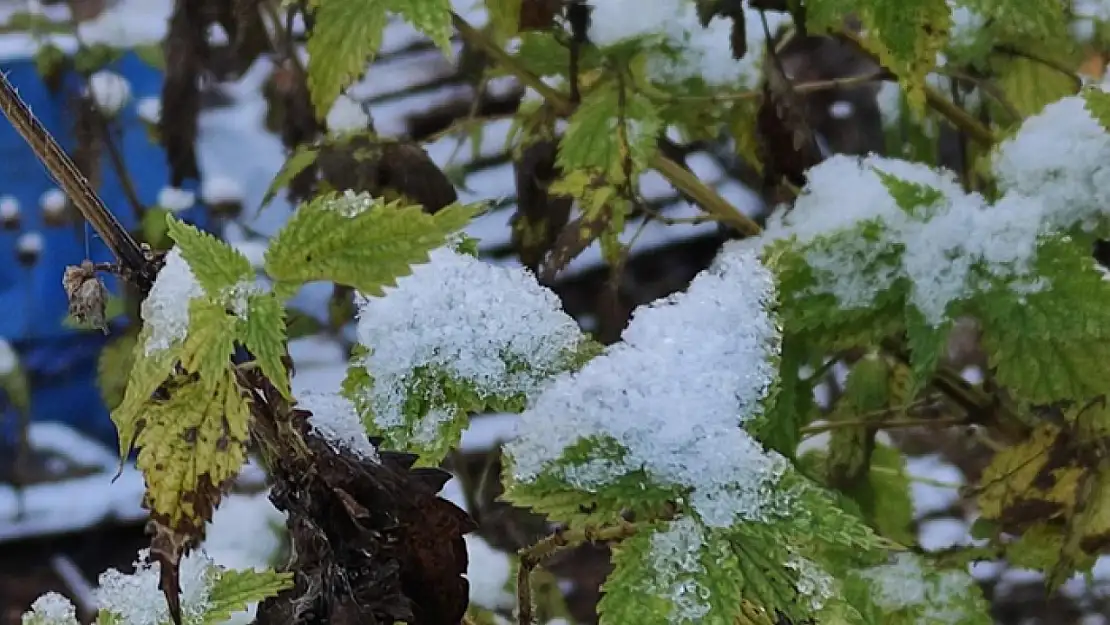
[[683, 180]]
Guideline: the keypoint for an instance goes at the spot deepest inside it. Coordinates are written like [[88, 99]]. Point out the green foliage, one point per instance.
[[232, 591], [358, 242], [909, 591], [613, 123]]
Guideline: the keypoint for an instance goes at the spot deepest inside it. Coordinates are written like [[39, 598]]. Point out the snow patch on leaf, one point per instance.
[[335, 419], [136, 599], [165, 311]]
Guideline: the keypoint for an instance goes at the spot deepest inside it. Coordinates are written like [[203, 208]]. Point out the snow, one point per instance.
[[689, 371], [30, 243], [950, 246], [8, 358], [176, 200], [488, 573], [136, 599], [335, 419], [110, 91], [474, 321], [221, 190], [53, 202], [165, 311], [841, 109], [675, 558], [814, 583], [347, 115], [150, 109], [128, 24], [903, 584], [929, 498], [9, 208], [687, 49], [54, 609]]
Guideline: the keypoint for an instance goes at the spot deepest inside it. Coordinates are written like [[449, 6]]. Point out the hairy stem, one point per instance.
[[684, 181]]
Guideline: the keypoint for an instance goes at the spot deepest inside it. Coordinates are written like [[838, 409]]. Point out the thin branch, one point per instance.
[[684, 181], [65, 172], [867, 422]]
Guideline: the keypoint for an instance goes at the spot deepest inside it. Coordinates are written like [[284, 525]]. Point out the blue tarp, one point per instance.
[[61, 362]]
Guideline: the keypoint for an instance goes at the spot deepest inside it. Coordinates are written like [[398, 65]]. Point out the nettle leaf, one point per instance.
[[357, 241], [210, 342], [909, 591], [608, 127], [302, 158], [678, 572], [1050, 344], [1097, 104], [345, 37], [149, 371], [905, 35], [780, 426], [265, 337], [1030, 85], [191, 446], [234, 590], [216, 265], [865, 393]]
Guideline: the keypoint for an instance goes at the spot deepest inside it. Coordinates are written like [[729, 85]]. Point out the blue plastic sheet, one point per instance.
[[61, 362]]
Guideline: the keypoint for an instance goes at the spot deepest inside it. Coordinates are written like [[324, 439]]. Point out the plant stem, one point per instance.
[[684, 181], [884, 425], [531, 557]]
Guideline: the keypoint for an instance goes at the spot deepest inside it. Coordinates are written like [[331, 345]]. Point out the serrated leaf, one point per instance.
[[1033, 481], [909, 591], [190, 447], [367, 250], [609, 127], [905, 35], [234, 590], [148, 372], [301, 159], [216, 265], [210, 342], [1049, 345], [1030, 85], [345, 37], [867, 391], [431, 17], [926, 344], [1097, 103], [780, 426], [265, 337]]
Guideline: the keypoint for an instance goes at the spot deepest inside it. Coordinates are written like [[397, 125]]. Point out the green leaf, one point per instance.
[[233, 591], [216, 265], [431, 17], [676, 573], [906, 35], [302, 158], [867, 390], [345, 37], [909, 591], [780, 426], [367, 250], [1049, 345], [926, 344], [1030, 85], [210, 341], [151, 54], [265, 337], [113, 368], [884, 497], [603, 131], [1097, 103]]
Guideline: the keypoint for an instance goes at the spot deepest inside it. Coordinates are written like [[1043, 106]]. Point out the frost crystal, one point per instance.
[[53, 609], [176, 200], [165, 311], [691, 369], [347, 115], [689, 50], [948, 246], [110, 91], [351, 204], [335, 419], [814, 582], [494, 328], [675, 558], [136, 599], [8, 358]]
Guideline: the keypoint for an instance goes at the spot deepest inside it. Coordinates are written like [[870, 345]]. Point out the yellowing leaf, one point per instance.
[[367, 248], [209, 343], [1033, 481], [190, 447], [148, 372]]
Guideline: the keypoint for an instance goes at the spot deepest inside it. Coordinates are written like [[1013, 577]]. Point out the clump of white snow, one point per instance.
[[676, 561], [51, 608], [30, 243], [165, 311], [492, 327], [221, 190], [685, 49], [347, 115], [488, 572], [8, 358], [9, 208], [136, 599], [150, 109], [109, 91], [176, 200], [335, 419], [903, 584], [53, 202], [814, 583], [127, 24], [690, 371]]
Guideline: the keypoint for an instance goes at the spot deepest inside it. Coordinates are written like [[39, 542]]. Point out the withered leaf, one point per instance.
[[539, 14], [571, 241], [387, 168], [787, 144], [86, 294]]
